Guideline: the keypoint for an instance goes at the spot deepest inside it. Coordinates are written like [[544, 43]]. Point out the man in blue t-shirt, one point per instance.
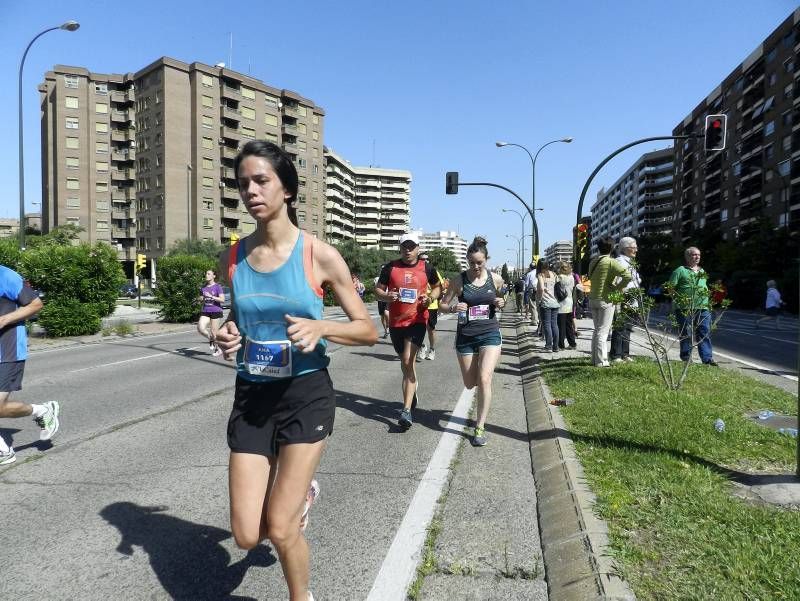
[[18, 302]]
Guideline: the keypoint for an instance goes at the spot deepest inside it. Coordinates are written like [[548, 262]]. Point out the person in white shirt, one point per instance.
[[621, 335], [772, 306]]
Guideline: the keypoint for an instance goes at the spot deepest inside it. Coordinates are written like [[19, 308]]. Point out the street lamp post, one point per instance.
[[522, 232], [68, 26], [535, 227], [519, 248]]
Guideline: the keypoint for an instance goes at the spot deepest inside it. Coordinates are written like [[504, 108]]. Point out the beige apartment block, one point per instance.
[[145, 159], [370, 205]]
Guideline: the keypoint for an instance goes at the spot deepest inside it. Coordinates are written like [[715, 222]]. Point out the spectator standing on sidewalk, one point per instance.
[[690, 301], [605, 275], [531, 308], [519, 293], [403, 284], [546, 300], [284, 402], [566, 322], [478, 340], [212, 297], [621, 333], [773, 305], [18, 302]]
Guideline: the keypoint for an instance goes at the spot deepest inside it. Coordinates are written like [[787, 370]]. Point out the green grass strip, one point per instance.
[[663, 478]]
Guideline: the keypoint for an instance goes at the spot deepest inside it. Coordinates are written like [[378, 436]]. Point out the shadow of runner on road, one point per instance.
[[187, 558]]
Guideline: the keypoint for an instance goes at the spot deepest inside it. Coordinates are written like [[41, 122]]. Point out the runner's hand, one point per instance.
[[424, 300], [228, 340], [393, 295], [499, 302], [304, 333], [460, 307]]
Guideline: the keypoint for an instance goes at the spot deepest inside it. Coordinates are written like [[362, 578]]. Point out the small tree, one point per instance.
[[445, 261], [200, 248], [179, 283], [635, 306]]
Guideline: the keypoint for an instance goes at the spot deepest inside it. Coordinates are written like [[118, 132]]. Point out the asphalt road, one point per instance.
[[131, 500]]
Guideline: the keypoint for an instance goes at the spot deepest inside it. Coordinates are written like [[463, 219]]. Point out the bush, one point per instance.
[[179, 281], [10, 253], [70, 317]]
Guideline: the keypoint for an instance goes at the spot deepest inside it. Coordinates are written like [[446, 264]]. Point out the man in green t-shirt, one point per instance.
[[690, 299]]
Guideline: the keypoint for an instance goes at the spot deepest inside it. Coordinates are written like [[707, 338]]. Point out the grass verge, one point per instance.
[[663, 478]]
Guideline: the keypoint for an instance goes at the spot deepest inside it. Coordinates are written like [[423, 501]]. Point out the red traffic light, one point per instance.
[[716, 124], [582, 227]]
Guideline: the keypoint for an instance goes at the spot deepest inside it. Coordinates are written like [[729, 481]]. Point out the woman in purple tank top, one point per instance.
[[211, 297]]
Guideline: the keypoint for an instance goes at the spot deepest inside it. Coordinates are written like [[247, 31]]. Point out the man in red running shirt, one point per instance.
[[403, 284]]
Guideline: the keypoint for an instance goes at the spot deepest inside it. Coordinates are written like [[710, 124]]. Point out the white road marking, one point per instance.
[[400, 564], [191, 348]]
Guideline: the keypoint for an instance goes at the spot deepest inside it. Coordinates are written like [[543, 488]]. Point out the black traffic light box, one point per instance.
[[715, 133], [451, 182]]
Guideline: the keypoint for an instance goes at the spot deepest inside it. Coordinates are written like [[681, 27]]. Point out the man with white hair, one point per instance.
[[621, 334]]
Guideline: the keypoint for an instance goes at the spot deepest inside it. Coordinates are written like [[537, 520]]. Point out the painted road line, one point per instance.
[[176, 352], [400, 564]]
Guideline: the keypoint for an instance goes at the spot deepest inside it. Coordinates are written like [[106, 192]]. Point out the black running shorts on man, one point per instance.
[[268, 415], [415, 332]]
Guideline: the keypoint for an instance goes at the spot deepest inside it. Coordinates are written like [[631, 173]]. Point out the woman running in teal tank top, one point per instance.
[[284, 402]]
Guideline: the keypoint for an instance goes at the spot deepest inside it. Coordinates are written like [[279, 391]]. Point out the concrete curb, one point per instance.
[[574, 540]]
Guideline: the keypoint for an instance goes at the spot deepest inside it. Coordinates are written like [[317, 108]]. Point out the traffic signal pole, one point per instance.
[[607, 159]]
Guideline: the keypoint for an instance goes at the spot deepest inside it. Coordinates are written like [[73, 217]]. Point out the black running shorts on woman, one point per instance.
[[268, 415]]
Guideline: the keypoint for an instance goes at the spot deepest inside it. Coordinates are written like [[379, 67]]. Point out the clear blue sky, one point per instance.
[[433, 83]]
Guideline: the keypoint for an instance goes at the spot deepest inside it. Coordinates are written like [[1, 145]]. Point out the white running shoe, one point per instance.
[[431, 355], [7, 457], [48, 422], [311, 496]]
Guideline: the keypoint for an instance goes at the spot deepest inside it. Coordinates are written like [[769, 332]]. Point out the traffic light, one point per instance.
[[716, 128], [141, 262], [451, 182], [581, 239]]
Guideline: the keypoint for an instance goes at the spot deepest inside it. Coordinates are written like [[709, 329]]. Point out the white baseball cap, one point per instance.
[[409, 237]]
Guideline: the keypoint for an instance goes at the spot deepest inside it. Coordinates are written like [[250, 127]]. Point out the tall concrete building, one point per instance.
[[444, 239], [558, 251], [639, 202], [143, 159], [368, 204], [758, 174]]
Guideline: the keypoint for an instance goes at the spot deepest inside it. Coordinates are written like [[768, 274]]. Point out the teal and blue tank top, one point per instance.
[[260, 303]]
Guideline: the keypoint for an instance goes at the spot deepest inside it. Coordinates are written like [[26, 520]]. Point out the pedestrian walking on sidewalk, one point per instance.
[[621, 332], [566, 320], [546, 299], [690, 299], [284, 402], [773, 305], [403, 284], [18, 302], [478, 340], [605, 275], [212, 296]]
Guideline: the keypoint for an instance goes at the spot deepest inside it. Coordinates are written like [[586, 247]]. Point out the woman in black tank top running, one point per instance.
[[478, 342]]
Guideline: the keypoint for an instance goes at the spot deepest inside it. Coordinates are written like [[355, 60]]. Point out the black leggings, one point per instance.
[[566, 329]]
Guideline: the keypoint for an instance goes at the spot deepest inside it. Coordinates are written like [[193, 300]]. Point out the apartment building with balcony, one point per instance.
[[445, 239], [757, 175], [558, 251], [370, 205], [144, 159], [640, 201]]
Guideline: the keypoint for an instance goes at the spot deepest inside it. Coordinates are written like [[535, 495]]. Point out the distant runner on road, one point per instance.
[[212, 297]]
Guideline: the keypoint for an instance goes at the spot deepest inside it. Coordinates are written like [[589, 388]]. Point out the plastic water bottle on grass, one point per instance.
[[719, 425], [788, 432]]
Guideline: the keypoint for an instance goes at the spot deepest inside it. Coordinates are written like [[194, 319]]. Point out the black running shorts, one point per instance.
[[11, 375], [416, 332], [268, 415], [433, 317]]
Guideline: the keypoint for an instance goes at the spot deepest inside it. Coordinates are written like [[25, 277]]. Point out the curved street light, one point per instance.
[[533, 158], [68, 26]]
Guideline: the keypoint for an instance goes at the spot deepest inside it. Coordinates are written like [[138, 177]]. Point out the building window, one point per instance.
[[208, 121], [271, 101], [208, 204], [70, 81], [72, 143], [101, 205], [101, 107], [301, 163], [315, 120], [207, 80], [101, 186], [102, 167], [71, 122], [248, 93], [208, 223], [301, 181], [208, 163], [788, 91], [271, 120], [301, 127], [769, 152], [315, 186], [73, 183], [72, 163], [769, 128], [248, 113], [157, 96], [271, 137], [71, 102], [208, 101], [73, 202], [301, 216], [247, 132], [74, 221], [101, 88], [208, 182], [787, 143], [315, 135], [301, 198], [208, 143], [102, 225], [301, 145], [786, 118], [773, 77], [316, 169], [100, 128], [301, 110], [788, 65]]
